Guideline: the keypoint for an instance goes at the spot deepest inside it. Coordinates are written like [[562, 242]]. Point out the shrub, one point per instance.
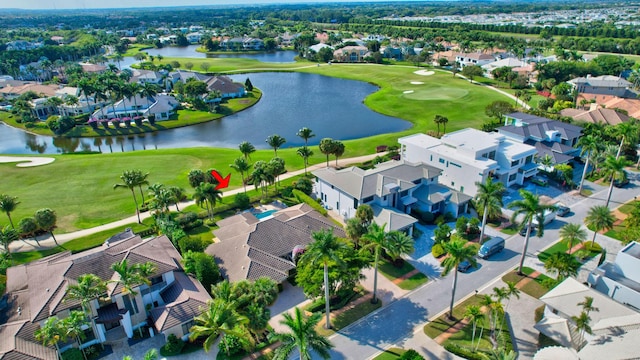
[[593, 247], [241, 201], [230, 345], [72, 354], [210, 222], [305, 185], [411, 355], [437, 250], [464, 352], [203, 267], [194, 244], [172, 347], [152, 119], [138, 120], [309, 201], [440, 219]]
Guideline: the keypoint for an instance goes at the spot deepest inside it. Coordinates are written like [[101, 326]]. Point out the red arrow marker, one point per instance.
[[222, 182]]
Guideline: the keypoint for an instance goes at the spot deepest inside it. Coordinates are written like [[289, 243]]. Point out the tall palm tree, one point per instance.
[[207, 194], [563, 264], [148, 90], [275, 142], [86, 87], [51, 333], [7, 205], [599, 218], [589, 145], [573, 234], [132, 276], [614, 170], [302, 335], [377, 241], [72, 327], [399, 244], [130, 181], [324, 249], [529, 208], [305, 133], [583, 324], [141, 179], [457, 252], [46, 220], [305, 153], [327, 147], [489, 198], [473, 314], [246, 148], [177, 195], [219, 318], [87, 288], [242, 166]]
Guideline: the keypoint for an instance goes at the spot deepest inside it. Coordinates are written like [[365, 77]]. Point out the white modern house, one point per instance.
[[468, 156], [392, 189], [162, 106], [620, 280], [478, 59], [615, 328]]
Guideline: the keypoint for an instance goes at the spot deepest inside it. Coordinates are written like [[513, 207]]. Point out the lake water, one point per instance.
[[190, 52], [329, 106]]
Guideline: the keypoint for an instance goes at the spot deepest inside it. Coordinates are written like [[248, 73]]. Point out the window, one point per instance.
[[404, 193], [512, 177], [156, 280], [430, 157], [492, 155], [131, 306], [441, 160], [453, 183], [515, 163], [529, 159], [456, 165], [355, 203], [368, 199], [186, 327]]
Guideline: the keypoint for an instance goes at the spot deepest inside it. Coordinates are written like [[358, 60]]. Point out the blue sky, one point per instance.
[[94, 4]]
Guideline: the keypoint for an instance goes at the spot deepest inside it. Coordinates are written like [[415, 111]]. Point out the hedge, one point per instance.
[[309, 201], [464, 352]]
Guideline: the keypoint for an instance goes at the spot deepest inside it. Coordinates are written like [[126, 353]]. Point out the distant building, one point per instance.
[[595, 115], [604, 85], [351, 54]]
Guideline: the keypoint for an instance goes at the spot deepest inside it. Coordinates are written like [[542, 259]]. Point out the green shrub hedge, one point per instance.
[[464, 352], [437, 250]]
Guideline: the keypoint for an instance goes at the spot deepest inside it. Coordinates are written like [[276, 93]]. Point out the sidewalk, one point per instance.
[[47, 242]]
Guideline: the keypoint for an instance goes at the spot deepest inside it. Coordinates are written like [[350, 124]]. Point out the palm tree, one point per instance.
[[589, 144], [489, 198], [7, 205], [587, 305], [614, 170], [130, 277], [473, 314], [130, 181], [275, 142], [87, 288], [457, 252], [207, 194], [242, 166], [219, 318], [529, 208], [141, 179], [246, 148], [302, 335], [86, 87], [573, 234], [305, 133], [599, 218], [438, 120], [46, 220], [117, 58], [305, 153], [51, 333], [72, 327], [502, 354], [327, 147], [324, 249], [563, 264], [177, 195], [583, 322], [399, 244], [338, 149], [7, 236], [377, 240], [148, 90], [494, 307]]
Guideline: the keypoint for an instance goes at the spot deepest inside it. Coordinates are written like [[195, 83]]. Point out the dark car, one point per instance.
[[523, 231], [563, 210], [464, 266]]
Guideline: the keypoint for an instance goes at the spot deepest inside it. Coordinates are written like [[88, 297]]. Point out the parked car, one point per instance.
[[563, 210], [493, 246], [540, 181], [464, 266], [523, 231], [548, 217]]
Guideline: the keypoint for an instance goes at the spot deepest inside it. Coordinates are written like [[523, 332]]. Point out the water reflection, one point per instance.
[[34, 144]]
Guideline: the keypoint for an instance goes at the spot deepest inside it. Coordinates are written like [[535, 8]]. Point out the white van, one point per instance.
[[548, 217]]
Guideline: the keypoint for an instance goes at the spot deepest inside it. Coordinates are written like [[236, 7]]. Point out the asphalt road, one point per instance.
[[402, 317]]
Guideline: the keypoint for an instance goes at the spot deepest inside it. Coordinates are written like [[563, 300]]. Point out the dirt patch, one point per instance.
[[424, 72]]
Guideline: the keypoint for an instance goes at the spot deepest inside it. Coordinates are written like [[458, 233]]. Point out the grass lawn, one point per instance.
[[560, 246], [535, 288], [510, 230], [93, 175], [464, 336], [75, 245], [615, 232], [390, 354], [413, 282], [348, 317], [628, 207], [203, 232], [442, 323]]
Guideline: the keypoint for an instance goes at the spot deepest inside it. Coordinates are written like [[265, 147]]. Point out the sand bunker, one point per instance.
[[407, 92], [417, 83], [24, 161], [424, 72]]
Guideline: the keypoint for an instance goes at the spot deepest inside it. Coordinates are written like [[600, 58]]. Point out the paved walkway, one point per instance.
[[47, 242]]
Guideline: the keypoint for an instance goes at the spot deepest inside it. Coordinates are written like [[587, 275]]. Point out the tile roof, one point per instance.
[[224, 84], [264, 248], [17, 342], [360, 183], [599, 115], [184, 299]]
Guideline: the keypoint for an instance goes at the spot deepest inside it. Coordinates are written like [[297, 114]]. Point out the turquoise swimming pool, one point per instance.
[[264, 214]]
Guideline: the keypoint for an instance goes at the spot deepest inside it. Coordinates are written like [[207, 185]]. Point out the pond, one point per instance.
[[286, 56], [329, 106]]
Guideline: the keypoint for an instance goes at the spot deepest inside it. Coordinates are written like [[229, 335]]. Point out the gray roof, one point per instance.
[[249, 250], [224, 84], [184, 300], [607, 81], [364, 183], [394, 219], [552, 149], [538, 126]]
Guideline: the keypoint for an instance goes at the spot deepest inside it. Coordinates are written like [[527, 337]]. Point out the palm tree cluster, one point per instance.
[[583, 321], [55, 330], [238, 310], [330, 146], [43, 220], [132, 179]]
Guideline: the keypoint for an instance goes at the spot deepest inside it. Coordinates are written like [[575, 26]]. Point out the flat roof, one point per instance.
[[421, 140], [633, 249], [472, 139]]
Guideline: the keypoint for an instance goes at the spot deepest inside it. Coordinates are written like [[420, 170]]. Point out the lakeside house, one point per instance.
[[351, 54], [392, 189], [160, 105], [38, 290], [469, 155]]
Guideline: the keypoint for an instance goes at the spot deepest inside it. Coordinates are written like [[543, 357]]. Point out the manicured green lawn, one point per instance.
[[464, 336], [535, 288], [392, 272], [413, 282], [390, 354], [348, 317], [628, 207], [442, 323], [560, 246], [73, 183]]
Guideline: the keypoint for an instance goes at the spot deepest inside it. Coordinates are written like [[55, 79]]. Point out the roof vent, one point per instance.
[[19, 310], [47, 289]]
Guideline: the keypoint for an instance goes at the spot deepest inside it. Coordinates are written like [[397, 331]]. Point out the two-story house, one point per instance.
[[478, 59], [351, 54], [468, 156], [620, 279], [392, 189], [38, 290], [603, 85], [551, 138]]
